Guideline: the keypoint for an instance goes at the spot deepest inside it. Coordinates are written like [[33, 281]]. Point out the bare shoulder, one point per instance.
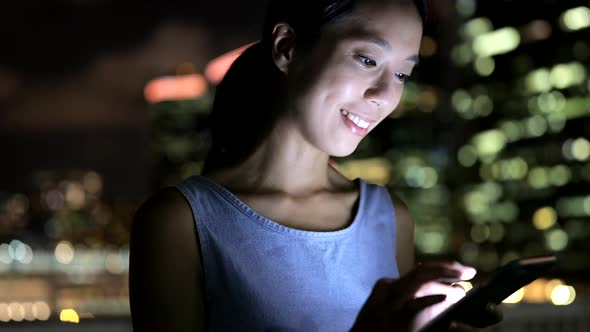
[[166, 220], [404, 235], [167, 210], [165, 270], [403, 216]]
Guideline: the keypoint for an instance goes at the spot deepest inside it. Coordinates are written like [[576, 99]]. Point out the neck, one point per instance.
[[286, 163]]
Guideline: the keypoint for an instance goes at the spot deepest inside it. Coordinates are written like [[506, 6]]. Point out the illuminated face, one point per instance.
[[353, 78]]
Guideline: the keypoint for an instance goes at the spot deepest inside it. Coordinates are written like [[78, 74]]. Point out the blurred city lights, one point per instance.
[[580, 149], [516, 297], [483, 105], [544, 218], [19, 311], [559, 175], [432, 241], [563, 295], [575, 18], [427, 99], [461, 101], [497, 232], [565, 75], [489, 142], [64, 252], [509, 169], [421, 177], [577, 206], [496, 42], [375, 170], [175, 88], [550, 102], [216, 68], [480, 233], [114, 264], [75, 197], [92, 182], [537, 30], [535, 291], [428, 47], [556, 239], [466, 8], [476, 27], [462, 54], [467, 156], [538, 81], [550, 286], [69, 315], [484, 66]]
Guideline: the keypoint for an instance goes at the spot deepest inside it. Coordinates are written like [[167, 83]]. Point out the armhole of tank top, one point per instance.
[[387, 196], [387, 200]]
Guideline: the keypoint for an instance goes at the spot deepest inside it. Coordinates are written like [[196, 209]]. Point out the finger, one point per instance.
[[420, 303], [460, 327], [453, 293], [467, 272], [406, 287], [426, 273]]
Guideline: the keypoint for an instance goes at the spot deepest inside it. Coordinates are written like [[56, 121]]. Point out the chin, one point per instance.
[[342, 150]]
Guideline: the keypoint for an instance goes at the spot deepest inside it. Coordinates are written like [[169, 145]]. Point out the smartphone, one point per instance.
[[496, 288]]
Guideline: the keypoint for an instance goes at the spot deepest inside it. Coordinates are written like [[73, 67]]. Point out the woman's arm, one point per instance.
[[404, 236], [165, 271]]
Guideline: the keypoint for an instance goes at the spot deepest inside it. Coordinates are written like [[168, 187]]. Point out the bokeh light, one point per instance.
[[544, 218], [563, 295], [69, 315], [64, 252]]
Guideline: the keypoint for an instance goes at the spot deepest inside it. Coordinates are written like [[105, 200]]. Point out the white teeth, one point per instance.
[[363, 124], [357, 121], [353, 118]]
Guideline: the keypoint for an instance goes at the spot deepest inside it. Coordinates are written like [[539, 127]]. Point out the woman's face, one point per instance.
[[353, 77]]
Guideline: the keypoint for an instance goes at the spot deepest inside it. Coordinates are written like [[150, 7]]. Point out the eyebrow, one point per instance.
[[374, 39]]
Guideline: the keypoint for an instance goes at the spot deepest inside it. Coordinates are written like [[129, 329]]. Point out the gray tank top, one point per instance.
[[263, 276]]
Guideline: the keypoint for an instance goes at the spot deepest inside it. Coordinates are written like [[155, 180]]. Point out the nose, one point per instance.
[[384, 93]]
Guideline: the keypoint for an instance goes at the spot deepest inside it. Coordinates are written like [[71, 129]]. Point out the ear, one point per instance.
[[283, 46]]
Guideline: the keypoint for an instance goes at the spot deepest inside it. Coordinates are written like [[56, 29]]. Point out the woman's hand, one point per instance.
[[410, 302]]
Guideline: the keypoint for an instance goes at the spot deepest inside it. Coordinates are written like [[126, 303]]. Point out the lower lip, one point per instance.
[[354, 128]]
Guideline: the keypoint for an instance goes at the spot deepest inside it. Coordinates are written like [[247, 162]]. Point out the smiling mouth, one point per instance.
[[356, 120]]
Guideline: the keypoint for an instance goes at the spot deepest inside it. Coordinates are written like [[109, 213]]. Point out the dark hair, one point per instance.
[[243, 114]]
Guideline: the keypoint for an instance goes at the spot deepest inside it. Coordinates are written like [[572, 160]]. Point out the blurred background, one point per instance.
[[102, 102]]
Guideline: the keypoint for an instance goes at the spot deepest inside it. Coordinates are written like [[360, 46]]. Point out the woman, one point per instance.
[[271, 237]]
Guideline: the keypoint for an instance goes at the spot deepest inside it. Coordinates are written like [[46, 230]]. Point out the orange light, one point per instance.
[[217, 67], [69, 315], [175, 88]]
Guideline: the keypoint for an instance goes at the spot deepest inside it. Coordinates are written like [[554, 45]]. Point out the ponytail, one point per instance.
[[242, 115]]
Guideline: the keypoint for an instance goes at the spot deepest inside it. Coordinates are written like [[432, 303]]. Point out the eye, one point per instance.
[[365, 61], [402, 77]]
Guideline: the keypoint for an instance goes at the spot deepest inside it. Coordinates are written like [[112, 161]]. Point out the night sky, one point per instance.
[[72, 75]]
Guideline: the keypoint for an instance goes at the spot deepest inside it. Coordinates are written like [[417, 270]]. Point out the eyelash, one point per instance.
[[402, 77], [368, 62]]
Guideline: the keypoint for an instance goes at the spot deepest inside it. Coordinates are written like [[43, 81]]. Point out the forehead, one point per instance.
[[383, 22]]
